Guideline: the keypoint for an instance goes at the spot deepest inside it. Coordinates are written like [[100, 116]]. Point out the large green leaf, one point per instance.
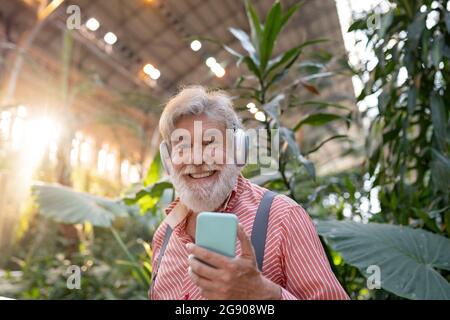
[[287, 58], [275, 21], [284, 58], [289, 12], [251, 65], [154, 190], [154, 171], [272, 108], [407, 258], [412, 99], [323, 104], [321, 144], [318, 119], [360, 24], [246, 43], [438, 117], [385, 23], [272, 27], [447, 21], [437, 50], [290, 145], [416, 29], [255, 26], [66, 205], [440, 171]]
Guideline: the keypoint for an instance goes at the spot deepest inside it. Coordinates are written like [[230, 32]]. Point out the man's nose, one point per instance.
[[197, 153]]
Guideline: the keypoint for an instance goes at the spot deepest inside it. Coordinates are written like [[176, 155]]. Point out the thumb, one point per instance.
[[246, 245]]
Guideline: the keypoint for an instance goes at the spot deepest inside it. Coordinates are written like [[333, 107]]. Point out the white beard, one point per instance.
[[205, 196]]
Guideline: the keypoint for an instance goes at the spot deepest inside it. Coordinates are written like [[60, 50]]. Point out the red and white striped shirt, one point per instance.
[[294, 257]]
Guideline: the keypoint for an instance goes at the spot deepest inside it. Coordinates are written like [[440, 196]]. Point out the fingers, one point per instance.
[[216, 260], [203, 283], [246, 245], [202, 269]]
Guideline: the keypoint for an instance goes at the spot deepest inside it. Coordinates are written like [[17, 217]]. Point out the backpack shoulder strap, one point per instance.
[[167, 235], [259, 231]]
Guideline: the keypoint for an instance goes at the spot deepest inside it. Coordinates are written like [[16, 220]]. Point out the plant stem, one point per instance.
[[145, 279]]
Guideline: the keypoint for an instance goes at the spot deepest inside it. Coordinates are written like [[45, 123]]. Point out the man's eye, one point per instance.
[[182, 147]]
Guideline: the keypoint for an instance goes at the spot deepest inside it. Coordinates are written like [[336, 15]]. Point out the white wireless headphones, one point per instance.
[[241, 150]]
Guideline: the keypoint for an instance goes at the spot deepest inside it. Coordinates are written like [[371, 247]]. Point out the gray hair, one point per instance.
[[196, 100]]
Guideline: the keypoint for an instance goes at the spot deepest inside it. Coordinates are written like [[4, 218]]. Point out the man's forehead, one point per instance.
[[186, 129], [190, 121]]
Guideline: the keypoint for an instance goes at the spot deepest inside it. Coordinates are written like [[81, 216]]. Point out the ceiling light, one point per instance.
[[260, 116], [110, 38], [253, 110], [196, 45], [220, 73], [92, 24], [210, 62], [251, 105], [155, 74], [218, 70], [148, 68]]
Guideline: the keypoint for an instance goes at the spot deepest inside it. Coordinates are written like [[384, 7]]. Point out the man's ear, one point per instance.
[[166, 160]]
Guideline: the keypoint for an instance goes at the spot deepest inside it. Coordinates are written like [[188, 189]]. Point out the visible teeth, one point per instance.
[[201, 175]]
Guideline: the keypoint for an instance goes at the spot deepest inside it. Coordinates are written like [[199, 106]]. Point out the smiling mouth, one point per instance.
[[202, 175]]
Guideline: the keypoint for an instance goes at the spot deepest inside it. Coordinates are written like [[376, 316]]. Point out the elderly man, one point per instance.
[[294, 263]]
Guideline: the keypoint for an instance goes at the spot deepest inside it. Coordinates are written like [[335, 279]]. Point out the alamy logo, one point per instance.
[[74, 279], [73, 20], [374, 21], [374, 280]]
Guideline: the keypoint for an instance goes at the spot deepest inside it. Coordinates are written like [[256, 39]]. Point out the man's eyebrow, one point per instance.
[[210, 138], [180, 143]]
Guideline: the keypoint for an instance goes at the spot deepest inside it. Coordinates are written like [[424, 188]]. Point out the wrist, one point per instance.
[[272, 291]]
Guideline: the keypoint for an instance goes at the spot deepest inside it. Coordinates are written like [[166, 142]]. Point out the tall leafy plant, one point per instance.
[[409, 142], [271, 84], [408, 152]]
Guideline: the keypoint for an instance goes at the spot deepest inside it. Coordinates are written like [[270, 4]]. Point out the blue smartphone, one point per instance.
[[217, 232]]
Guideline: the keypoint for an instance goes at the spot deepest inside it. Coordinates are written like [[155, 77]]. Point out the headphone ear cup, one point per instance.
[[241, 144], [165, 157]]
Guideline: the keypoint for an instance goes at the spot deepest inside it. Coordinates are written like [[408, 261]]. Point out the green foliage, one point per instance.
[[270, 84], [68, 206], [407, 258], [407, 165], [106, 273], [408, 141], [150, 196], [408, 153], [408, 145]]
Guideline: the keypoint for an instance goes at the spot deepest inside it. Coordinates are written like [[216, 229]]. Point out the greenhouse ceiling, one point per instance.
[[152, 43]]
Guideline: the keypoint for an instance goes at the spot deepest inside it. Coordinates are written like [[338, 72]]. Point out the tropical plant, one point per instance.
[[406, 258], [71, 207], [408, 152], [142, 205], [271, 89], [409, 141], [273, 82], [404, 171]]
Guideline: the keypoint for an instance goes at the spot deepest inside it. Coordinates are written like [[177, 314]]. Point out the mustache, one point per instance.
[[189, 169]]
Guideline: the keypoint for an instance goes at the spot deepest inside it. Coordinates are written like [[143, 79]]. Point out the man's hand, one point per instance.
[[230, 278]]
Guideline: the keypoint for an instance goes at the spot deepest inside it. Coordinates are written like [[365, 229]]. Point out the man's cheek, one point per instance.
[[181, 157]]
